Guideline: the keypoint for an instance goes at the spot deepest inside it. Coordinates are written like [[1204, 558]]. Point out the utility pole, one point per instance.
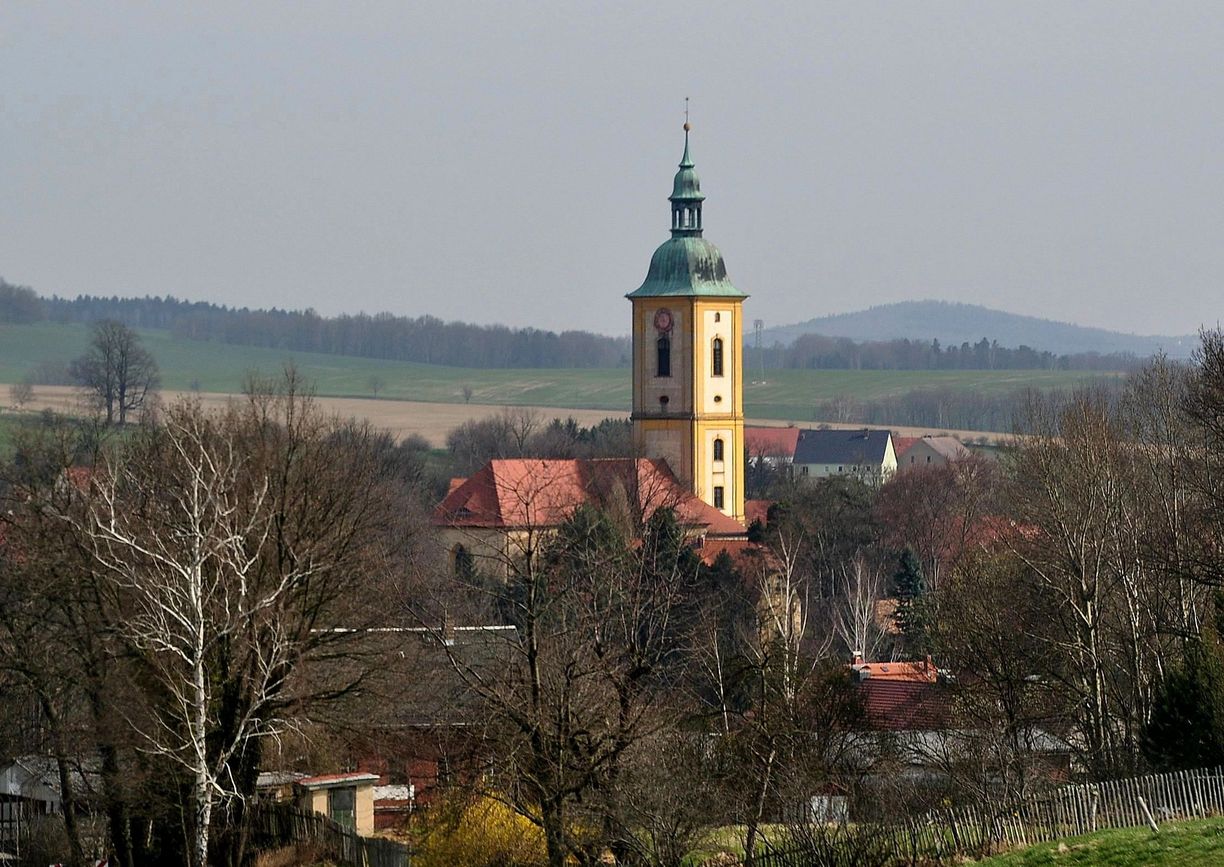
[[758, 325]]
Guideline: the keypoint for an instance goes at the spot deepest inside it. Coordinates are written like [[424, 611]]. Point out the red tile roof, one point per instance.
[[537, 492], [771, 442], [923, 671], [897, 705], [901, 445], [902, 696], [741, 551], [757, 510]]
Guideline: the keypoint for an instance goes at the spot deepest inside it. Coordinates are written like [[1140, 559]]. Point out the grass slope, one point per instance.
[[788, 394], [1179, 844]]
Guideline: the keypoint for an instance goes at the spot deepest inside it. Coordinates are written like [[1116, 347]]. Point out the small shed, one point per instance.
[[30, 787], [346, 799], [277, 786]]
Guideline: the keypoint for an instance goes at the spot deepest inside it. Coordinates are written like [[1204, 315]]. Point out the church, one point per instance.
[[687, 418]]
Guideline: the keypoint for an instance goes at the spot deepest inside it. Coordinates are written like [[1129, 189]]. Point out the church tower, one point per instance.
[[687, 341]]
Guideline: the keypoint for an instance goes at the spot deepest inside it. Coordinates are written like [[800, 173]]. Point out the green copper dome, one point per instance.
[[687, 186], [686, 264]]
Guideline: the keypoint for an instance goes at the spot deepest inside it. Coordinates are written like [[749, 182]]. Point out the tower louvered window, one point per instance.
[[717, 359], [664, 360]]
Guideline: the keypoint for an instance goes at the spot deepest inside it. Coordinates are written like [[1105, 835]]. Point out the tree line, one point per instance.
[[424, 339], [430, 340], [947, 408], [818, 352]]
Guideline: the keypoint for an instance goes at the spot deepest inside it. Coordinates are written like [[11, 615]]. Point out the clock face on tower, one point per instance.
[[663, 319]]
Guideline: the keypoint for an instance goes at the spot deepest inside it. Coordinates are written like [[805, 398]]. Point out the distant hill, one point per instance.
[[952, 323]]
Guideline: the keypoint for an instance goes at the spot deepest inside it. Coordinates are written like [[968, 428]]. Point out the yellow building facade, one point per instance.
[[687, 367]]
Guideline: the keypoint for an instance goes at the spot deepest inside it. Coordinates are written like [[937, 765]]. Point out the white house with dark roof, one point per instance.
[[30, 787], [864, 454]]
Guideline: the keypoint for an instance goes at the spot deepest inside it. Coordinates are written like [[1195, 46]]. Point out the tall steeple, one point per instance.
[[686, 197], [687, 373]]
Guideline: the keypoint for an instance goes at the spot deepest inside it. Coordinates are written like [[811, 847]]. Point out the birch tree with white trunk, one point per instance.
[[184, 561], [233, 543]]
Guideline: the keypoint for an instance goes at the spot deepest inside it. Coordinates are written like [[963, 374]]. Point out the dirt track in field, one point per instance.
[[433, 421]]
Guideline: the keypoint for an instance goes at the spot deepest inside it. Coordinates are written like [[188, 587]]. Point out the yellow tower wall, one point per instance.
[[702, 407]]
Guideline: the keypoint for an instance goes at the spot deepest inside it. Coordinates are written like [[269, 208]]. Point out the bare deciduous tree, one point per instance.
[[231, 557], [854, 608], [186, 567], [591, 666], [21, 393], [117, 372]]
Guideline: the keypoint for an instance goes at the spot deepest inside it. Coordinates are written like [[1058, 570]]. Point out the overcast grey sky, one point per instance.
[[510, 162]]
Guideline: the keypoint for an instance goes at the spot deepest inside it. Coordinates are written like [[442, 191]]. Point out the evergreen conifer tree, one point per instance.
[[1186, 729], [913, 609]]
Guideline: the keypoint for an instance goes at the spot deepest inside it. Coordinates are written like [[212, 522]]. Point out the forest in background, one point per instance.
[[429, 340]]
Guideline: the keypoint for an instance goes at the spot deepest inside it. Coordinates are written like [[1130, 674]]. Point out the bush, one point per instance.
[[479, 833]]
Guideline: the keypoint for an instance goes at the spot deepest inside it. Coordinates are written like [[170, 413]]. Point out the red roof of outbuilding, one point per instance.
[[902, 696], [537, 492], [899, 705], [771, 442], [901, 445], [922, 671]]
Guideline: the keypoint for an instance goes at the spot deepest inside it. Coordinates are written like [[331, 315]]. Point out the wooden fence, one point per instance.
[[980, 830], [275, 826]]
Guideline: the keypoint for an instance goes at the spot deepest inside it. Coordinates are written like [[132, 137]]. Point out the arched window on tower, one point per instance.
[[717, 356], [718, 449], [663, 363]]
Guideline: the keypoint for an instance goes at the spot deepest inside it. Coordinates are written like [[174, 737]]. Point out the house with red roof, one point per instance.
[[507, 509], [774, 446], [912, 716]]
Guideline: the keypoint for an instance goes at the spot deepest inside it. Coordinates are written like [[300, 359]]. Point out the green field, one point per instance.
[[1179, 844], [788, 394]]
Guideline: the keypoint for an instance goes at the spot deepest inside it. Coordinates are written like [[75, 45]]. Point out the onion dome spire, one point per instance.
[[686, 197], [686, 264]]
